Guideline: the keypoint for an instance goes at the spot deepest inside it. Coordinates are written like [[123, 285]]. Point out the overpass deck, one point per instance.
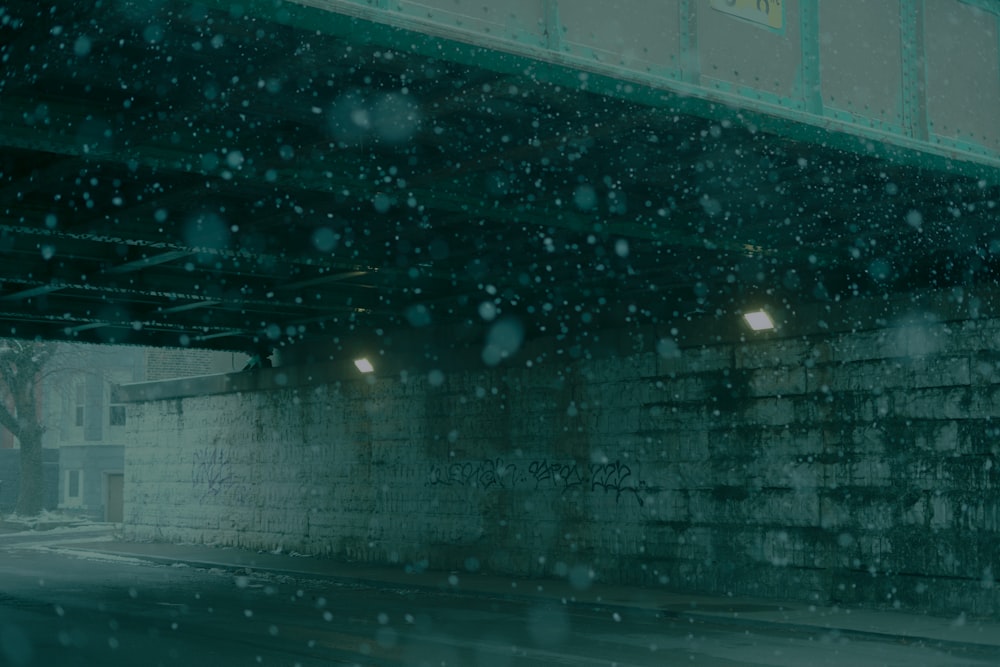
[[219, 175]]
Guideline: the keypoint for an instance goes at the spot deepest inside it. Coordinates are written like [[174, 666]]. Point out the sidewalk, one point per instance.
[[746, 612]]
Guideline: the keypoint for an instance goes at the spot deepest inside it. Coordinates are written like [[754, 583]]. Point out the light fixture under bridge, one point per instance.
[[759, 320]]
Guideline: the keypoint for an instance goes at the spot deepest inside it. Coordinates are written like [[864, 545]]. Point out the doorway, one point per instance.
[[115, 509]]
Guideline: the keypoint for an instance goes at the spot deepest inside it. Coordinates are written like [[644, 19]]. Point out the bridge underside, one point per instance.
[[197, 174]]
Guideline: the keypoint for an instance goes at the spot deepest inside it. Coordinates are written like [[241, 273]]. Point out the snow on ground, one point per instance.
[[49, 522], [100, 556]]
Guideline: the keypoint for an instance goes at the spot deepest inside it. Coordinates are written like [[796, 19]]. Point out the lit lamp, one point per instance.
[[364, 365], [759, 320]]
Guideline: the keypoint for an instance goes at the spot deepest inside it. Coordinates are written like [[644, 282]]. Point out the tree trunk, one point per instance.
[[31, 492], [21, 367]]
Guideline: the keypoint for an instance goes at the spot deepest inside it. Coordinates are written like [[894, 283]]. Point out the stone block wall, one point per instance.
[[851, 468]]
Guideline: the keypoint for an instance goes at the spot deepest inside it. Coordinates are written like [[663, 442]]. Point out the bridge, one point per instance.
[[546, 218], [222, 175]]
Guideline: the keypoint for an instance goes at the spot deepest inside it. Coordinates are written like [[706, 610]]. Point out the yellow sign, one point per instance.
[[770, 13]]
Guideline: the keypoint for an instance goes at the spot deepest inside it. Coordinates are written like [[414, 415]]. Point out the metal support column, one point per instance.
[[914, 75], [810, 77], [690, 69], [553, 28]]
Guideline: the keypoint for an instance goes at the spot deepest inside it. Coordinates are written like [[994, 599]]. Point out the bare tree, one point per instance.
[[21, 365]]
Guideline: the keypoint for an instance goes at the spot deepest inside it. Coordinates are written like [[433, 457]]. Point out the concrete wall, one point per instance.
[[854, 467]]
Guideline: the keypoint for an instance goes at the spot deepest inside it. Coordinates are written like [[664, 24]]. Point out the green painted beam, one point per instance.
[[365, 24], [914, 74], [809, 70]]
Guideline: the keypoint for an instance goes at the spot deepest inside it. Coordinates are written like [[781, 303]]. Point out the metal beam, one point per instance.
[[146, 262], [467, 46]]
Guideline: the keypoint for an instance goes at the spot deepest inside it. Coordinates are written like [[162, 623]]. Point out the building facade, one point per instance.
[[85, 422]]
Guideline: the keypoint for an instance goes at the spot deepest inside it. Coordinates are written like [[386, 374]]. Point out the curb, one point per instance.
[[990, 650]]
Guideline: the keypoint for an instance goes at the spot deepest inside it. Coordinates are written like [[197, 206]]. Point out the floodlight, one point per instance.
[[759, 320], [364, 365]]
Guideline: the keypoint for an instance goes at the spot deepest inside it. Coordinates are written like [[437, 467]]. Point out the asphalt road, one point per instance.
[[60, 609]]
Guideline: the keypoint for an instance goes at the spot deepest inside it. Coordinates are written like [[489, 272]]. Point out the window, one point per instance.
[[117, 416], [79, 404], [72, 483]]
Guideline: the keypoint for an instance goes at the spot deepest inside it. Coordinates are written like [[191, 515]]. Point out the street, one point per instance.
[[64, 607]]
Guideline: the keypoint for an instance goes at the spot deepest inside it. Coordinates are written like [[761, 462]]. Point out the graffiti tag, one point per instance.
[[540, 475], [210, 471]]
